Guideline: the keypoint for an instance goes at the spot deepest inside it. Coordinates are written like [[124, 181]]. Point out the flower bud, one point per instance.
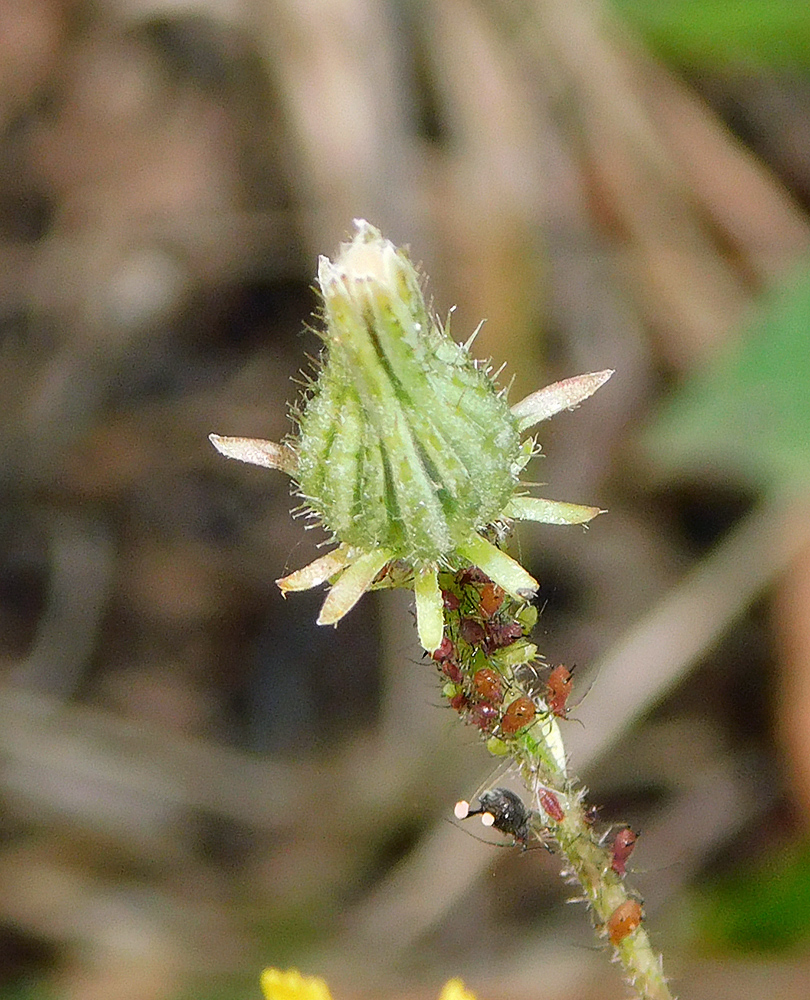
[[407, 451], [406, 444]]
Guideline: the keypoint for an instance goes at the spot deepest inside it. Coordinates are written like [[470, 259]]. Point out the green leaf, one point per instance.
[[711, 34], [748, 411], [759, 908]]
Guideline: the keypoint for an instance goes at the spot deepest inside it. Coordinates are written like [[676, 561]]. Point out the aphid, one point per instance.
[[487, 683], [472, 631], [484, 715], [384, 572], [491, 599], [459, 701], [445, 651], [623, 845], [499, 636], [472, 575], [624, 920], [558, 688], [517, 715], [502, 809], [591, 814], [551, 805], [452, 670], [450, 600]]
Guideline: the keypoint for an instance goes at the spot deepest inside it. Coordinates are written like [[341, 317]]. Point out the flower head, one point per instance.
[[291, 985], [454, 989], [407, 451]]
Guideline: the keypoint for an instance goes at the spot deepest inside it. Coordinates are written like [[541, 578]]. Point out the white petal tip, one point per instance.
[[256, 451], [328, 620], [564, 395]]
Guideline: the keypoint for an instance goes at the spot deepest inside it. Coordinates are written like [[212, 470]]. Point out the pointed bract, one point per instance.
[[559, 396], [549, 511], [316, 572], [429, 608], [499, 567], [350, 586], [257, 452]]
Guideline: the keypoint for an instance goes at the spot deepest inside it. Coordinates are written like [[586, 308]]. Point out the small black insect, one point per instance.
[[503, 809]]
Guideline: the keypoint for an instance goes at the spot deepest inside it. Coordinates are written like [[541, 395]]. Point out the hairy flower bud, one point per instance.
[[407, 450], [405, 444]]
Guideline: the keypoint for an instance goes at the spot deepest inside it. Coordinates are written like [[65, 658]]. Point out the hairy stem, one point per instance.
[[493, 679]]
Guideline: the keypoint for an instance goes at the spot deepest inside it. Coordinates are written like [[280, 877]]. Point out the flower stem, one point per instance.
[[493, 680]]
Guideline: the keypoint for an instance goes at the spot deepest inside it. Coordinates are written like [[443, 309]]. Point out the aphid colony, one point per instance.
[[487, 662], [490, 677]]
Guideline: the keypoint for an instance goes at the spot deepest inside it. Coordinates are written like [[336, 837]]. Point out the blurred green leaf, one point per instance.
[[713, 34], [24, 990], [748, 411], [765, 907]]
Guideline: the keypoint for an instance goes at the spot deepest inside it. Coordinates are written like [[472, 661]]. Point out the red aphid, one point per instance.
[[517, 715], [491, 599], [551, 805], [499, 636], [487, 683], [445, 651], [623, 844], [591, 814], [450, 600], [452, 670], [472, 575], [558, 689], [484, 715], [459, 701], [624, 920], [472, 631]]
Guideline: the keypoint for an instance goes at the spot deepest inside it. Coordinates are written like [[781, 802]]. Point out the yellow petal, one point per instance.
[[315, 572], [291, 985], [353, 583], [454, 989]]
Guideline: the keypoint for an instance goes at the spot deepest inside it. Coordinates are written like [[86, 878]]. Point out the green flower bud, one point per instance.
[[407, 450], [405, 443]]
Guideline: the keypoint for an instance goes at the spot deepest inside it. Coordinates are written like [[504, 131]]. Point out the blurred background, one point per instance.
[[195, 780]]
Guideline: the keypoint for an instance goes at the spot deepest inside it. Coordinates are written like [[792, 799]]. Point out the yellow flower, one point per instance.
[[454, 989], [291, 985]]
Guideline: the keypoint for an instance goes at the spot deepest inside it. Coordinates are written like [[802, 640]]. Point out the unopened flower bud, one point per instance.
[[405, 443], [407, 450]]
